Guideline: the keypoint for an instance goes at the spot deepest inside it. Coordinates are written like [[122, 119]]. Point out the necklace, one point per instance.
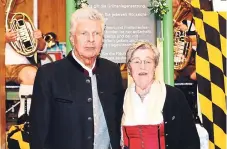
[[143, 94]]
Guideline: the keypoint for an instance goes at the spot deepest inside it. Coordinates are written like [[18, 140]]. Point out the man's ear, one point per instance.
[[102, 43], [71, 40]]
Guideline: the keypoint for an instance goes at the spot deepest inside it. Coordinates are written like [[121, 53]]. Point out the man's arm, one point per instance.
[[10, 36], [40, 111], [41, 41]]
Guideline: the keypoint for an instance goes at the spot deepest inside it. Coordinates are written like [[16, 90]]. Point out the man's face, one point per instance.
[[88, 38], [175, 3]]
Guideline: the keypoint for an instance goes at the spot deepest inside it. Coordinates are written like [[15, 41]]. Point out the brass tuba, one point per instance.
[[20, 22], [182, 43]]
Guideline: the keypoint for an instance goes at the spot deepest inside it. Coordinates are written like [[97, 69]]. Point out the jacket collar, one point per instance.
[[79, 67]]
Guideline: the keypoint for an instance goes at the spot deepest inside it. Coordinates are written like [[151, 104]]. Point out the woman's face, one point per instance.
[[142, 67]]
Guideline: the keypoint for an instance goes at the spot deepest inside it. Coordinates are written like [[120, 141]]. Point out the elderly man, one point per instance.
[[77, 101]]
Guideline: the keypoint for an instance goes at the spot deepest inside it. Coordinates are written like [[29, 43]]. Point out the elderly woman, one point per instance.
[[156, 115]]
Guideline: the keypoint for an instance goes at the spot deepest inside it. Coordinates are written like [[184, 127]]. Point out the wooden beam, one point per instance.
[[2, 79]]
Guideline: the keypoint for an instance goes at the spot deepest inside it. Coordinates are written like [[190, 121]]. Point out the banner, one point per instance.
[[211, 73], [126, 22]]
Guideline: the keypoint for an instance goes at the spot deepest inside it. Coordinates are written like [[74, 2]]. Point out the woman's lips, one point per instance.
[[142, 74]]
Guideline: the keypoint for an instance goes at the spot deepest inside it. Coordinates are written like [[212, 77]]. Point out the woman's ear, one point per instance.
[[129, 69]]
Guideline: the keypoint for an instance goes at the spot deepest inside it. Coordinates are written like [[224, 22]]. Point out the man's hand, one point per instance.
[[41, 42], [37, 34], [181, 26], [10, 36]]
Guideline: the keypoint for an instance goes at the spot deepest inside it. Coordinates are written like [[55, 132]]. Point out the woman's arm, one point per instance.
[[188, 132]]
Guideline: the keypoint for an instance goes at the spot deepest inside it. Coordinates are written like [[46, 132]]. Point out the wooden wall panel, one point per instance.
[[25, 6], [51, 17], [2, 79]]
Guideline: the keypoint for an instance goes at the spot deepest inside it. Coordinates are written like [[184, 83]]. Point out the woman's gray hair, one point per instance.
[[142, 45], [85, 13]]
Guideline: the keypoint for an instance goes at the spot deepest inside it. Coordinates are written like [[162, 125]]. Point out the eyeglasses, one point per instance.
[[138, 62]]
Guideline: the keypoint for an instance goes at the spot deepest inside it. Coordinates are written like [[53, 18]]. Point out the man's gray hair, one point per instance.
[[142, 45], [85, 13]]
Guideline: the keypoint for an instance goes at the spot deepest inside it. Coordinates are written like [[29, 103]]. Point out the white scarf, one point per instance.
[[147, 112]]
